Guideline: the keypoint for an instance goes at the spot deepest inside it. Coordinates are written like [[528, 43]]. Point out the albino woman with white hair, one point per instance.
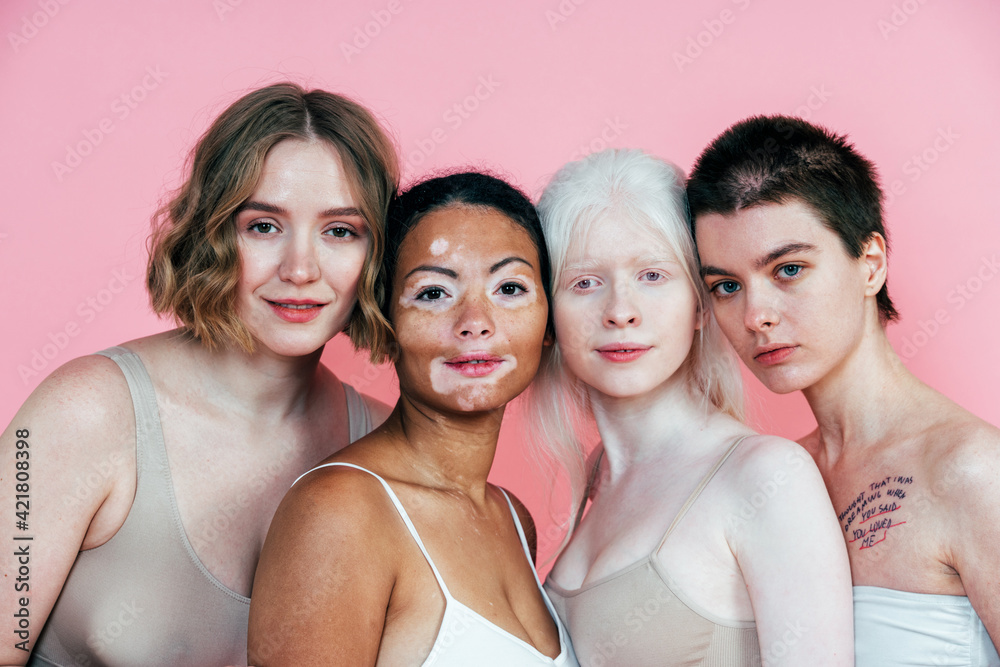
[[705, 543]]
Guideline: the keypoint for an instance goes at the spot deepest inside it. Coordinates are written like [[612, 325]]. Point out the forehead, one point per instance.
[[750, 233], [308, 164], [467, 235], [614, 237]]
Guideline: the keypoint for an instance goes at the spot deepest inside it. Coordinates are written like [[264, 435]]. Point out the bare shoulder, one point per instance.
[[963, 458], [762, 458], [80, 408], [338, 503]]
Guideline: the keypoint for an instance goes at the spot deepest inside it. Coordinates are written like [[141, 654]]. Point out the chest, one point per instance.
[[228, 477], [892, 527]]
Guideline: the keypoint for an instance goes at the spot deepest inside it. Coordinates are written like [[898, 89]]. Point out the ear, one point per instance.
[[701, 316], [875, 259], [550, 337]]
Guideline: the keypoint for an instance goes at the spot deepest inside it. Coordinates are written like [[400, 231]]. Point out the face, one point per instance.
[[302, 244], [785, 292], [625, 311], [469, 310]]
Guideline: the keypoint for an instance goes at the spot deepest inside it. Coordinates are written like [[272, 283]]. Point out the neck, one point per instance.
[[868, 398], [637, 428], [261, 384], [447, 451]]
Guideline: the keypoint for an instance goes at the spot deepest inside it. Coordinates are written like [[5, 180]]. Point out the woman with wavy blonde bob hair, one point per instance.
[[269, 249], [684, 554]]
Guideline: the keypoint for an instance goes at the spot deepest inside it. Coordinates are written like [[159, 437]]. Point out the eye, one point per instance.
[[430, 294], [725, 288], [512, 289], [341, 232], [652, 276], [586, 283], [789, 271], [262, 227]]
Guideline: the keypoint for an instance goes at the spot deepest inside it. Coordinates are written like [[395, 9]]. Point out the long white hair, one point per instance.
[[634, 186]]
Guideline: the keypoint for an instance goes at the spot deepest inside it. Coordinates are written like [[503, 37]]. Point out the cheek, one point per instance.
[[343, 269]]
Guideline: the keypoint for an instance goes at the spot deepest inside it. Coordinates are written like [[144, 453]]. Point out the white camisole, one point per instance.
[[464, 637]]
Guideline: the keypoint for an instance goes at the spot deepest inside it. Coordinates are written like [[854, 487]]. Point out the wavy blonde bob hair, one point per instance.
[[649, 192], [194, 263]]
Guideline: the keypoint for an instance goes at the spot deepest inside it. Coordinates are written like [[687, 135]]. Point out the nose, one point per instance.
[[474, 318], [761, 311], [299, 264], [621, 310]]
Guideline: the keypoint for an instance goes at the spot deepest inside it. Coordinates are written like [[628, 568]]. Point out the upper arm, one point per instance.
[[527, 525], [69, 448], [793, 558], [971, 489], [325, 574]]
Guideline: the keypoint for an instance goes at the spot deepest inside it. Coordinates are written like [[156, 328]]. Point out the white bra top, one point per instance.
[[464, 637], [901, 628]]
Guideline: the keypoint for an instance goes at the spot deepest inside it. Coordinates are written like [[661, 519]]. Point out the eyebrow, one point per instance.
[[337, 212], [452, 274], [504, 262], [762, 262]]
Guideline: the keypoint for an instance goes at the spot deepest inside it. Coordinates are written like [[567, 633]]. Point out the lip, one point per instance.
[[474, 364], [623, 352], [296, 310], [769, 355]]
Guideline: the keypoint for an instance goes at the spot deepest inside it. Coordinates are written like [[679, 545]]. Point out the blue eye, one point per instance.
[[652, 276], [726, 287], [790, 270], [586, 283]]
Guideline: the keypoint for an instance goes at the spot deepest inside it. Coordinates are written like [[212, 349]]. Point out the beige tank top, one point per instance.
[[639, 616], [144, 597]]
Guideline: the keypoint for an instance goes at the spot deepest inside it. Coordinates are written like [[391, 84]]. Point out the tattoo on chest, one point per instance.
[[870, 516]]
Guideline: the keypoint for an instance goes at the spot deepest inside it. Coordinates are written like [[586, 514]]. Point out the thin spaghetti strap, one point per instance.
[[517, 524], [697, 492], [402, 513], [589, 489]]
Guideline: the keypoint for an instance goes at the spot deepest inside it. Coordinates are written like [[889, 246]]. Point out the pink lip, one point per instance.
[[474, 364], [623, 352], [296, 315], [774, 354]]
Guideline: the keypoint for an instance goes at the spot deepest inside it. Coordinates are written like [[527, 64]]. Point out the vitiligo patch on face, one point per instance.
[[447, 381], [439, 247]]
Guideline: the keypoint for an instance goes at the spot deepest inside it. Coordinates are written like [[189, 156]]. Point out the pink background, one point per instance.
[[908, 80]]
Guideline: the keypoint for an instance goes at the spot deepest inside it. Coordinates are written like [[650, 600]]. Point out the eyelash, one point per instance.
[[253, 227], [717, 291]]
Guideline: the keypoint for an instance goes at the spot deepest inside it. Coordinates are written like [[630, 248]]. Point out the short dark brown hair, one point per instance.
[[194, 264], [774, 159]]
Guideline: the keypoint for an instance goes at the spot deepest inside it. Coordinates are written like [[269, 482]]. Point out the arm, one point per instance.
[[970, 486], [325, 575], [67, 470], [793, 558]]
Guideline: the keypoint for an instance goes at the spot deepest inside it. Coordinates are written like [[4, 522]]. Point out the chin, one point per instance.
[[783, 381]]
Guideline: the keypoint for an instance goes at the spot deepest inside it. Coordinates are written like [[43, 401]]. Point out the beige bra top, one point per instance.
[[638, 616], [144, 597]]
